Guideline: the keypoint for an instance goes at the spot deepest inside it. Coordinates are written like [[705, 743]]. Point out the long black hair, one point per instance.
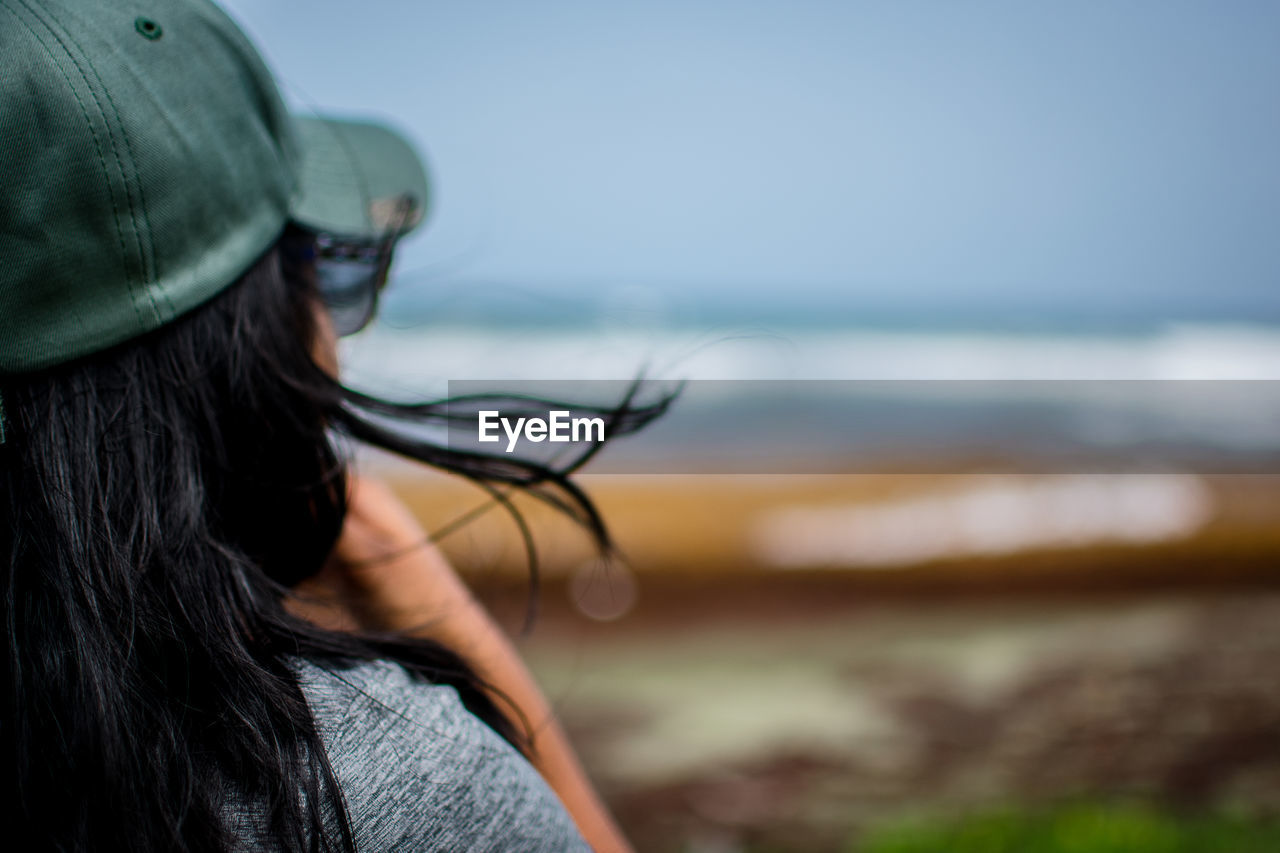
[[157, 501]]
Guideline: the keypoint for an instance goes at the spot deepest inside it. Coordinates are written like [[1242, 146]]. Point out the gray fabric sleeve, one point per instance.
[[420, 772]]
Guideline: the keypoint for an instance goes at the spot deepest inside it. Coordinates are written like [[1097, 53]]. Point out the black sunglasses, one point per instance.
[[350, 277], [350, 273]]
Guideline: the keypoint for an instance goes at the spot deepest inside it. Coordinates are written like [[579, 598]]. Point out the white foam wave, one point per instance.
[[417, 362], [987, 517]]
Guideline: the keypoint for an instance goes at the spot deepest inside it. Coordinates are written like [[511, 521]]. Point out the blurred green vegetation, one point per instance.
[[1075, 829]]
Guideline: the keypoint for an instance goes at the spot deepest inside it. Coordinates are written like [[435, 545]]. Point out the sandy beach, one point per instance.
[[723, 701]]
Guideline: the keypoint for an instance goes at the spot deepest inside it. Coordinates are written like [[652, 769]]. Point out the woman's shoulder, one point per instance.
[[420, 772]]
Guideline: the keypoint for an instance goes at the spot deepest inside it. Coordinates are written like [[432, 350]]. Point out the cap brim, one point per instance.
[[357, 179]]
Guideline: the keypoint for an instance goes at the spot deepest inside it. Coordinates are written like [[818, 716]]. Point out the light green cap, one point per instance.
[[147, 160]]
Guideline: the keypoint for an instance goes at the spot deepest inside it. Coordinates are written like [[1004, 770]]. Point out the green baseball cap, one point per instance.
[[147, 160]]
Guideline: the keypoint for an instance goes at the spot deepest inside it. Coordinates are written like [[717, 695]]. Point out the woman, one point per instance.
[[215, 638]]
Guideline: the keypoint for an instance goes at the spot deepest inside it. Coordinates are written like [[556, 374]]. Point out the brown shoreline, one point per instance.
[[688, 527]]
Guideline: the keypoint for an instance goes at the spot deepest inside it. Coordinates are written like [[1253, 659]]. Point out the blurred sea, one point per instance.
[[801, 392], [412, 358], [428, 333]]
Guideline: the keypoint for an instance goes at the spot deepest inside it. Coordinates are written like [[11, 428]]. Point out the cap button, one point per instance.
[[148, 28]]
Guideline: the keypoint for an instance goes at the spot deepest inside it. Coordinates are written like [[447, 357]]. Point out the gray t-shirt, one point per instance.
[[420, 772]]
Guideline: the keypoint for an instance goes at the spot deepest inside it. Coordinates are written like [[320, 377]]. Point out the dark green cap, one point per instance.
[[147, 160]]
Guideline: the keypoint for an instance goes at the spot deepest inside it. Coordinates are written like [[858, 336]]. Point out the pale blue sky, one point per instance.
[[1009, 153]]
